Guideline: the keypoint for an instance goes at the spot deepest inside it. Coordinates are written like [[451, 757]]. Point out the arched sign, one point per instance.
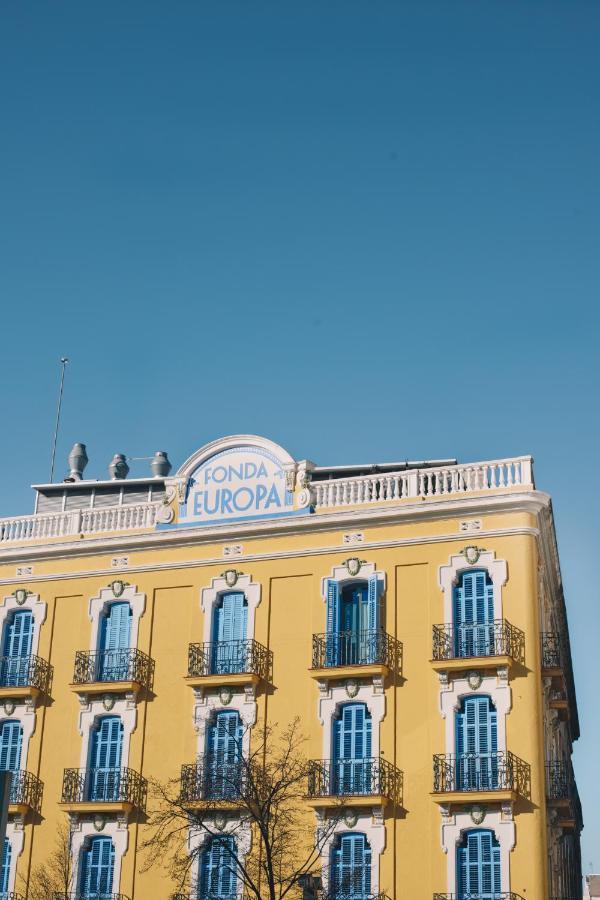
[[236, 484]]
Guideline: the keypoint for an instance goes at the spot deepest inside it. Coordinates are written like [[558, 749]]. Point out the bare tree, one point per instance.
[[267, 790], [55, 878]]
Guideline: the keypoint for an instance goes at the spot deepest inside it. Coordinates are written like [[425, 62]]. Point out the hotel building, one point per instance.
[[411, 614]]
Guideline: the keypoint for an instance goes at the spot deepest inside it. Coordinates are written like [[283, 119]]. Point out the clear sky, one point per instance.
[[366, 230]]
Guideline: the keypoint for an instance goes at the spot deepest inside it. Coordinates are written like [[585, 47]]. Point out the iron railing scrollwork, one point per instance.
[[113, 665], [471, 639], [487, 895], [350, 895], [355, 778], [212, 778], [230, 658], [25, 790], [561, 787], [552, 650], [104, 786], [481, 772], [356, 648], [86, 895], [26, 671]]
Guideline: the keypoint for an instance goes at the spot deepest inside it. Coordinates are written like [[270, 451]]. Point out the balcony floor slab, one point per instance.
[[466, 663], [236, 679], [464, 798]]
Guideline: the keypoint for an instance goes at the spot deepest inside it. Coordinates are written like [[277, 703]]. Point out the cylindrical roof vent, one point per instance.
[[78, 460], [118, 468], [160, 465]]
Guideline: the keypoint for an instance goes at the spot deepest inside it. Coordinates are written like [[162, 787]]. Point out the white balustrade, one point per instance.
[[79, 521]]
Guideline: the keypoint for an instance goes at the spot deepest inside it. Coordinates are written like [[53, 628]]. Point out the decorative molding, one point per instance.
[[233, 550], [94, 710], [24, 571], [209, 597], [353, 537], [470, 525], [452, 694], [353, 565], [119, 562], [231, 577], [472, 553], [474, 680], [118, 591], [335, 697], [30, 601], [83, 830], [453, 828], [368, 822], [207, 705], [450, 573], [15, 832]]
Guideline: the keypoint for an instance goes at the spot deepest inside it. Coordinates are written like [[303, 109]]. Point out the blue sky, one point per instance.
[[368, 231]]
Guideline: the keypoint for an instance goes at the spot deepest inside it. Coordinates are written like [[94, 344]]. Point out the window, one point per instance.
[[352, 764], [97, 866], [477, 745], [223, 754], [115, 639], [350, 874], [474, 615], [104, 773], [478, 866], [16, 649], [218, 875], [5, 868], [230, 624], [353, 622], [11, 743]]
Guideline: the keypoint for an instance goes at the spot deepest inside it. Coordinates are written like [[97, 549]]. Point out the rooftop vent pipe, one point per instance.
[[160, 465], [78, 460], [118, 467]]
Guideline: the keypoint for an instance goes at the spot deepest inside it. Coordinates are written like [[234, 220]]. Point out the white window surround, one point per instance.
[[329, 707], [38, 609], [210, 596], [95, 709], [343, 578], [198, 838], [100, 605], [15, 833], [83, 830], [372, 825], [207, 705], [25, 714], [499, 821], [450, 574], [452, 694]]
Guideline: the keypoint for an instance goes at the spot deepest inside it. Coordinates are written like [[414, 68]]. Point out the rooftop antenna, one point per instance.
[[63, 361]]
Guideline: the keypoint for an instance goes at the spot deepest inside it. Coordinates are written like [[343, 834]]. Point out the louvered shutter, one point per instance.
[[218, 876], [474, 615], [477, 745], [97, 866], [5, 868], [374, 604], [478, 866], [107, 743], [332, 654], [116, 627], [11, 742], [350, 870], [229, 630], [18, 634], [223, 752], [351, 747]]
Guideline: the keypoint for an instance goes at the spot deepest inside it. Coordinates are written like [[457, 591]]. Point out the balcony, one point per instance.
[[23, 677], [211, 782], [485, 777], [60, 895], [457, 647], [350, 895], [556, 666], [493, 895], [103, 790], [26, 792], [347, 654], [112, 671], [361, 782], [563, 796], [235, 663]]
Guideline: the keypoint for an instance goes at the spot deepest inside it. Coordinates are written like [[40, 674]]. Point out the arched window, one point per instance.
[[352, 766], [474, 614], [5, 868], [353, 622], [478, 866], [114, 642], [106, 747], [229, 628], [477, 757], [97, 867], [223, 755], [16, 649], [11, 743], [350, 870], [218, 875]]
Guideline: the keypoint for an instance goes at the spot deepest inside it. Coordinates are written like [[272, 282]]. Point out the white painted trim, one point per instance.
[[125, 708], [83, 829], [455, 825], [198, 837], [25, 714], [235, 440], [15, 832], [451, 695], [210, 596], [100, 604], [372, 825], [343, 577], [335, 697], [207, 705], [38, 609], [450, 574]]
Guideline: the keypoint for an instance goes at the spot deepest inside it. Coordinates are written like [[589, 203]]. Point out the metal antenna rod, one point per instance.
[[63, 361]]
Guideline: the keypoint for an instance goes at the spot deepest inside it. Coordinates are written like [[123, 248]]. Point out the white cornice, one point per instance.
[[523, 501]]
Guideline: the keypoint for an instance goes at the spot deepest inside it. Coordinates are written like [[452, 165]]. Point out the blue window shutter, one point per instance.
[[11, 742], [477, 744], [97, 867], [374, 604], [350, 871], [18, 634], [478, 865], [224, 735], [218, 875], [333, 604], [5, 869], [351, 746], [107, 744], [116, 627]]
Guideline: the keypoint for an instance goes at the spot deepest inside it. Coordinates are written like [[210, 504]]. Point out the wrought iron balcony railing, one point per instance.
[[560, 780], [230, 658], [481, 772], [498, 638], [25, 671], [212, 778], [113, 665], [486, 895], [350, 895], [104, 786], [25, 790], [85, 895], [354, 778], [356, 648], [552, 650]]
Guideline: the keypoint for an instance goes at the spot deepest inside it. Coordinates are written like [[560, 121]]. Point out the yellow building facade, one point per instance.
[[411, 615]]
